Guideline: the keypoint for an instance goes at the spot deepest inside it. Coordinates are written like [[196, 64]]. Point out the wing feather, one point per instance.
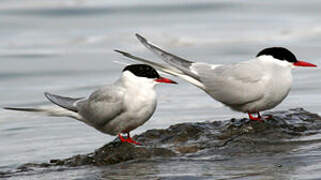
[[176, 61], [233, 84], [103, 105], [65, 102]]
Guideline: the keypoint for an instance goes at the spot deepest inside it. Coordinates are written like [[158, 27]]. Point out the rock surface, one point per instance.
[[235, 137]]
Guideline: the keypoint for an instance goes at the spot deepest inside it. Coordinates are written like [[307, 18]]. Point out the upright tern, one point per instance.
[[249, 86], [113, 109]]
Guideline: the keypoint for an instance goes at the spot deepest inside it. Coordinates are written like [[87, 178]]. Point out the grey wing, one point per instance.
[[103, 105], [234, 84], [65, 102], [178, 62]]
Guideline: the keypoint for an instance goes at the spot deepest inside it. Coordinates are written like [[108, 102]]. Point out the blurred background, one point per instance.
[[66, 47]]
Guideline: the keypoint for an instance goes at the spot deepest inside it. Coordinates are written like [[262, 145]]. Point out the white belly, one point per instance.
[[277, 88], [138, 110]]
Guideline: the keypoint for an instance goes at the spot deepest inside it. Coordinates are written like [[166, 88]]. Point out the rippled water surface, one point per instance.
[[66, 47]]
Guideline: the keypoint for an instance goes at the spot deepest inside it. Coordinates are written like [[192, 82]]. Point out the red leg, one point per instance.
[[122, 138], [258, 118]]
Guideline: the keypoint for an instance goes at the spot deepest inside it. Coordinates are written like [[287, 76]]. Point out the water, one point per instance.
[[66, 47]]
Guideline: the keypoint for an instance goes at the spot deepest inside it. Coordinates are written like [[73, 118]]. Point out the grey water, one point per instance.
[[66, 47]]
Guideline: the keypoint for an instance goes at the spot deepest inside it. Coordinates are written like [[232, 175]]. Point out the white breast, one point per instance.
[[139, 105], [278, 83]]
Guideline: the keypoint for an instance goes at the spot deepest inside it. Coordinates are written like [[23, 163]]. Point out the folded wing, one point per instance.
[[233, 84]]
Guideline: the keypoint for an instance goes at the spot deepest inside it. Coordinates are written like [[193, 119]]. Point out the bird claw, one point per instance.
[[256, 119], [128, 139], [259, 117]]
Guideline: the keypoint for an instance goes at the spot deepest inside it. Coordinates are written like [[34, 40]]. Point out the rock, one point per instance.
[[114, 152], [235, 137]]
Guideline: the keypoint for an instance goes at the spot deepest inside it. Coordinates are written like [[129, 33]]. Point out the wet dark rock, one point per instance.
[[112, 153], [235, 137], [4, 174]]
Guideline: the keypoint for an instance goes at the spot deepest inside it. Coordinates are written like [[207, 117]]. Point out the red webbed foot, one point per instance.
[[258, 118], [128, 139]]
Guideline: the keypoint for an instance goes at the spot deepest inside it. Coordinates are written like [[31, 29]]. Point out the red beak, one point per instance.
[[303, 63], [165, 80]]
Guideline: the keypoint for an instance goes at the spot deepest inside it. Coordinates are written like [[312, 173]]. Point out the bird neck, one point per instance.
[[270, 61], [130, 81]]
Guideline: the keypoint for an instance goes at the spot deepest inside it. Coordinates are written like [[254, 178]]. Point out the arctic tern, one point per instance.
[[113, 109], [249, 86]]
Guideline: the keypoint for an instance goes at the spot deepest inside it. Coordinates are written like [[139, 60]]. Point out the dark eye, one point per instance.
[[142, 70]]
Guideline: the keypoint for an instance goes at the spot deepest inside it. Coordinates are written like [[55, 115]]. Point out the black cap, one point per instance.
[[142, 70], [279, 53]]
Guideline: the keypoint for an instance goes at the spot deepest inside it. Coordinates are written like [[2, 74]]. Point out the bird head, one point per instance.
[[145, 74], [283, 54]]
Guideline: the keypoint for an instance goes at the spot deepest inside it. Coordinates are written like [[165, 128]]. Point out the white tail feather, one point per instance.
[[50, 111]]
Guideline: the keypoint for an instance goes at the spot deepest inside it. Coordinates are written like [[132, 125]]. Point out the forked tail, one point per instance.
[[67, 107], [50, 111]]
